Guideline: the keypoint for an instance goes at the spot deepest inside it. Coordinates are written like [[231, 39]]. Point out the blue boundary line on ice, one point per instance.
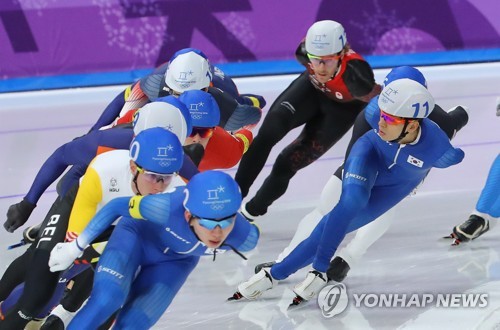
[[246, 69]]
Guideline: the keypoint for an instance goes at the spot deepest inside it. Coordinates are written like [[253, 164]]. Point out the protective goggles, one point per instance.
[[153, 177], [330, 60], [210, 224], [390, 119], [203, 132]]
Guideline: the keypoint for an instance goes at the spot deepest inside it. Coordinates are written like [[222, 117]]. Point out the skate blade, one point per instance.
[[456, 240], [451, 236], [297, 303], [236, 296], [14, 246]]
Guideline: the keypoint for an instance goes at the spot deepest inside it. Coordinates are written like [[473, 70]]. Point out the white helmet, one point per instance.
[[406, 98], [188, 69], [161, 114], [325, 38]]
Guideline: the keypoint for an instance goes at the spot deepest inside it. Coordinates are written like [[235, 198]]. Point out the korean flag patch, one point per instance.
[[415, 161]]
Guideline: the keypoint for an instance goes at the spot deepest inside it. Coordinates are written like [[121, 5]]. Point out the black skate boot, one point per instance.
[[53, 322], [471, 229], [29, 236], [30, 233], [264, 265], [338, 269], [249, 216]]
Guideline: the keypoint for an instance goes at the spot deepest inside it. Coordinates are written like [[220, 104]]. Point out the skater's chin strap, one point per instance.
[[234, 250], [403, 132], [215, 250], [134, 180]]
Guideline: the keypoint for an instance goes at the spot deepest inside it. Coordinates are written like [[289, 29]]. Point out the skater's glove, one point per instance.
[[63, 255], [253, 99], [17, 215]]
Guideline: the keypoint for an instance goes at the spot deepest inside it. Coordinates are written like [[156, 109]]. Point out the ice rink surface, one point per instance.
[[411, 258]]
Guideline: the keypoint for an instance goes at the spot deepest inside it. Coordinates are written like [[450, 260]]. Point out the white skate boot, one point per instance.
[[255, 286], [309, 288]]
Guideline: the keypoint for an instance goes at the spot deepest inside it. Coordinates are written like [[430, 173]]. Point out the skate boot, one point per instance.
[[29, 236], [309, 288], [338, 269], [250, 217], [264, 265], [471, 229], [53, 322], [255, 286], [58, 319], [30, 233]]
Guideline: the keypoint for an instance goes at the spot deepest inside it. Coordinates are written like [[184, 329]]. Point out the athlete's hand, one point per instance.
[[63, 255], [253, 99], [17, 215]]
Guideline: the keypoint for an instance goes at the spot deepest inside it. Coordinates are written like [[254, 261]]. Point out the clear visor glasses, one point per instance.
[[153, 177], [328, 61]]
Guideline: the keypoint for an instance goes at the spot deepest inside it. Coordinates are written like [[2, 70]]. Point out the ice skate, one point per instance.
[[250, 217], [29, 236], [58, 319], [471, 229], [255, 286], [309, 288]]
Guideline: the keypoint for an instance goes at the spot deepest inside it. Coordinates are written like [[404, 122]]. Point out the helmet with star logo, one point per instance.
[[157, 150], [406, 98], [188, 69], [212, 195], [167, 112], [325, 38], [203, 108], [405, 72]]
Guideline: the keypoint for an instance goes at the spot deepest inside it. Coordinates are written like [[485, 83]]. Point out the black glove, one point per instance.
[[17, 215], [195, 151]]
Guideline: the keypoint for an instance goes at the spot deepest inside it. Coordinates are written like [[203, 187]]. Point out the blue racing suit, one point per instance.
[[164, 247], [377, 176]]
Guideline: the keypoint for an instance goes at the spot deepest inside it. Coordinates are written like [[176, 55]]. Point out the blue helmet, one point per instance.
[[405, 72], [212, 195], [157, 150], [203, 108], [172, 100]]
